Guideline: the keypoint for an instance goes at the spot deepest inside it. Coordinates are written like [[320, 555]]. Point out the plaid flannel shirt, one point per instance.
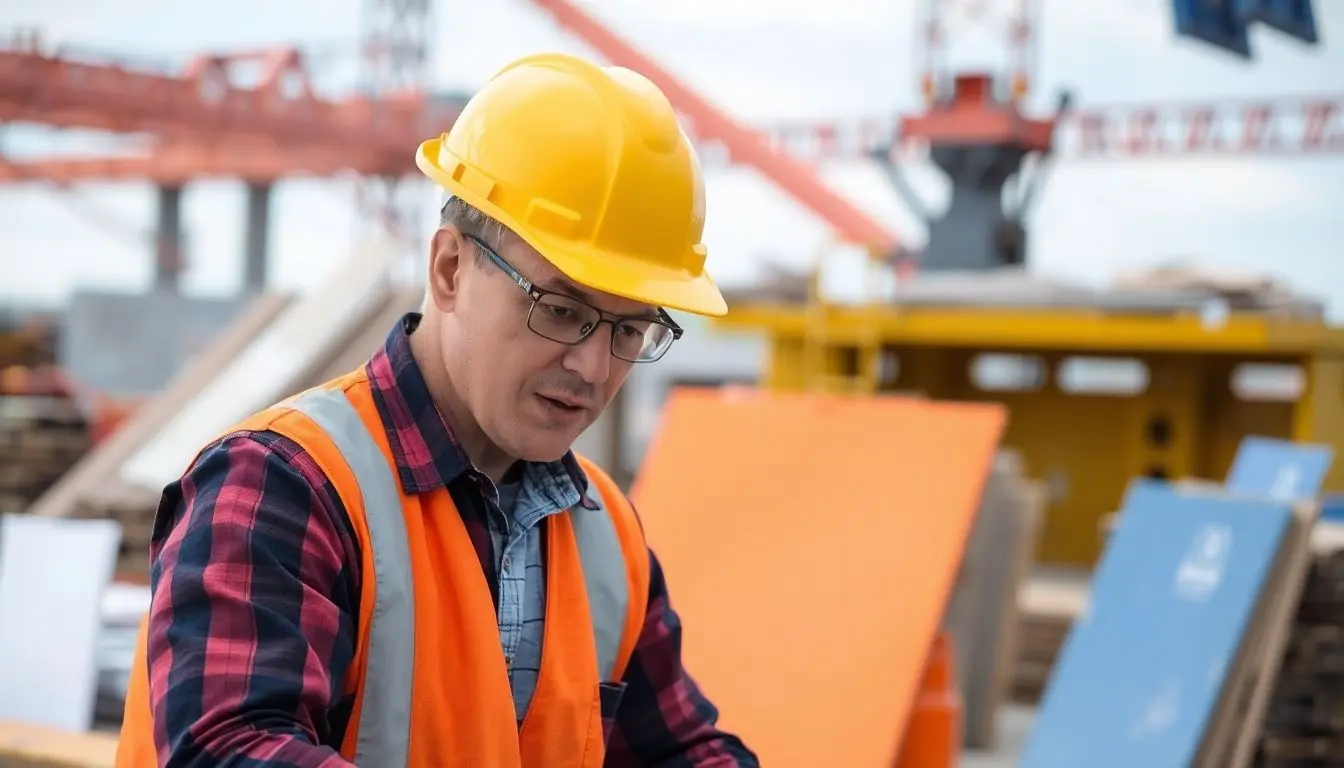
[[255, 576]]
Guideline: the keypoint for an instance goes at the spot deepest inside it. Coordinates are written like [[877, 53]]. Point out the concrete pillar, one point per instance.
[[169, 257], [256, 248]]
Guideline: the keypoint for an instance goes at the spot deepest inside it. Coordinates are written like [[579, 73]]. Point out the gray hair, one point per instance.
[[470, 220]]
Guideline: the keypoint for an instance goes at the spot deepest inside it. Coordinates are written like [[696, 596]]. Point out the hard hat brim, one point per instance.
[[604, 271], [633, 279]]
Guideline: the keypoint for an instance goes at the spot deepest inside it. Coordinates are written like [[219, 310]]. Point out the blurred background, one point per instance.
[[1123, 215]]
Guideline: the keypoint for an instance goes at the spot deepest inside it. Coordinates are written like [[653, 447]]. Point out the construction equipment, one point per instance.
[[1163, 375]]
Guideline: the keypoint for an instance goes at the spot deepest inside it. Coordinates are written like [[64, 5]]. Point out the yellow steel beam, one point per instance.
[[1044, 329]]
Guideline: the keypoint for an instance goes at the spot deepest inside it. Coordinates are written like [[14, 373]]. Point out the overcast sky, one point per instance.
[[807, 59]]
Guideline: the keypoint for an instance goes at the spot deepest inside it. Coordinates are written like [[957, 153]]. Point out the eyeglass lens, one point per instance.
[[567, 321]]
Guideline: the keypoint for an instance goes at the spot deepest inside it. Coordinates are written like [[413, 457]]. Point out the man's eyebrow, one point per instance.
[[559, 284]]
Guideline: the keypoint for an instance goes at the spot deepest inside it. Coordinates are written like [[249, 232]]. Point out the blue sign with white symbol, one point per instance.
[[1279, 469], [1140, 676]]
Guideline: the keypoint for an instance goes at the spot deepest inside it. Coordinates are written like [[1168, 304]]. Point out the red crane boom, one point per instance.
[[1284, 125]]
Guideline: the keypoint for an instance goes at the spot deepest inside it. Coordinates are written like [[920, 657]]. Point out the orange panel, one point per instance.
[[810, 543]]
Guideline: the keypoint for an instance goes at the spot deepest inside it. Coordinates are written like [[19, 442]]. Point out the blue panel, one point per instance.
[[1280, 469], [1332, 508], [1291, 17], [1215, 22], [1140, 675]]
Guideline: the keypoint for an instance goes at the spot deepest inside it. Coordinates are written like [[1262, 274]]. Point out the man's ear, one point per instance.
[[447, 256]]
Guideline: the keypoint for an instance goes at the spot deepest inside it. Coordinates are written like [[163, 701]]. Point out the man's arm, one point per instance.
[[663, 719], [251, 626]]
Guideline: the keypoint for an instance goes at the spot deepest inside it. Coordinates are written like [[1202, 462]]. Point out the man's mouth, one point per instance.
[[566, 404]]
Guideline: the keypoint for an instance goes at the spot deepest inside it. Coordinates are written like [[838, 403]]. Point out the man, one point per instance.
[[406, 566]]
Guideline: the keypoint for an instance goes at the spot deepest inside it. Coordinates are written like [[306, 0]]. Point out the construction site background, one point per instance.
[[1085, 434]]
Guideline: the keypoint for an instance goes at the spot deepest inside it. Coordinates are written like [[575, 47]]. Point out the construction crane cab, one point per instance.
[[1102, 385]]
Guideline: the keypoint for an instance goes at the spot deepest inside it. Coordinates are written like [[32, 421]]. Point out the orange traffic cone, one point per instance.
[[933, 735]]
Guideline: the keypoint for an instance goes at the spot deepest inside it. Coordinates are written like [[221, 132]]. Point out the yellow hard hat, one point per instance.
[[588, 165]]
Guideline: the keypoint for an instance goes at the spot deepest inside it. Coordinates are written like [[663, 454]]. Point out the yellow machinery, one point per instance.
[[1097, 395]]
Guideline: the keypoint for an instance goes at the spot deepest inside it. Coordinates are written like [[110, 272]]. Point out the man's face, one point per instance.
[[531, 396]]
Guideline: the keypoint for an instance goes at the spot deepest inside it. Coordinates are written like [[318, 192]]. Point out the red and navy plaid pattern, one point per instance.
[[255, 574]]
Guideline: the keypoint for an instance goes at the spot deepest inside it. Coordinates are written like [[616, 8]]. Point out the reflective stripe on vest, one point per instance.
[[385, 723], [386, 690]]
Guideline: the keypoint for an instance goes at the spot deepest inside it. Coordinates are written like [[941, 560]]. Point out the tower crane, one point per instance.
[[980, 138]]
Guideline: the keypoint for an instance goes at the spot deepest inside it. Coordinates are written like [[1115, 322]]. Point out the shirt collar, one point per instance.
[[427, 453]]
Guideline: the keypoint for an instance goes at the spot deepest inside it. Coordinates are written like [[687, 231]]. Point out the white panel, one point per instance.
[[266, 371], [53, 573]]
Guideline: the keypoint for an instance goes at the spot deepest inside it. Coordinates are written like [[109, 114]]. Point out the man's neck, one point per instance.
[[484, 455]]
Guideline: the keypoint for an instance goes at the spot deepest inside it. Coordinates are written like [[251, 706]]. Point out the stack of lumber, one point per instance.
[[134, 509], [1047, 604], [1241, 290], [94, 488], [1305, 723], [41, 437]]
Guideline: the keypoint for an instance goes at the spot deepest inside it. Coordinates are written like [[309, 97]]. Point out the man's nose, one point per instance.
[[591, 358]]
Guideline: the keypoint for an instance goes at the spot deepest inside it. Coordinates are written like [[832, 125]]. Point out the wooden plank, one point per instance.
[[305, 334], [95, 488], [98, 469], [810, 544], [31, 746], [367, 339]]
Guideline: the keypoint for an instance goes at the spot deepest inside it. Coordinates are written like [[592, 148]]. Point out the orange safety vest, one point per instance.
[[426, 613]]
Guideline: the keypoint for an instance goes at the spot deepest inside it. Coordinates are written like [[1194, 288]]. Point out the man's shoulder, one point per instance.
[[275, 434], [265, 462], [262, 493], [262, 469], [247, 447]]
